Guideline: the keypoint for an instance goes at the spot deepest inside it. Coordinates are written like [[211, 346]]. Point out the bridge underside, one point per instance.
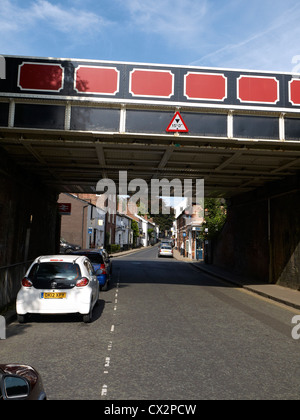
[[72, 122], [74, 161]]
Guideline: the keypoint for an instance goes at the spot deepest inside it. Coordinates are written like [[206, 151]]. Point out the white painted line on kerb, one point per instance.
[[104, 390]]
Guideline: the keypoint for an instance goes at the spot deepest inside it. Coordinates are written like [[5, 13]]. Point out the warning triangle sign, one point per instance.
[[177, 125]]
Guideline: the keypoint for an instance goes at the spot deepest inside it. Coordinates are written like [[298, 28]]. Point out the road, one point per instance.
[[164, 331]]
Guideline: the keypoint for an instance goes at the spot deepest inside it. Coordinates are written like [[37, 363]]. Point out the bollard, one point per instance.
[[2, 328]]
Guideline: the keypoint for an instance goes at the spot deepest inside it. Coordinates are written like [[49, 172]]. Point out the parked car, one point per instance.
[[66, 247], [58, 284], [100, 260], [20, 382], [165, 241], [165, 251]]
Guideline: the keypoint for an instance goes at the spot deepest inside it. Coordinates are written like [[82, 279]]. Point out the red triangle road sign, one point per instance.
[[177, 125]]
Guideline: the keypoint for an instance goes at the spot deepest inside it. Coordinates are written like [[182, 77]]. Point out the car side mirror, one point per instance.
[[15, 387]]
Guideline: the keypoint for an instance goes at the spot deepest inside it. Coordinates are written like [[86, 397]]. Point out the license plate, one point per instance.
[[53, 295]]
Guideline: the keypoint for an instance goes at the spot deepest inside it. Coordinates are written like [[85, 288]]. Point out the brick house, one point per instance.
[[85, 226]]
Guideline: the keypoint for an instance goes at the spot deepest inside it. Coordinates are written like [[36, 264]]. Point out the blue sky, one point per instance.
[[241, 34]]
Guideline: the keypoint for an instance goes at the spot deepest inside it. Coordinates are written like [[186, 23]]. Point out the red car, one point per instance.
[[20, 382]]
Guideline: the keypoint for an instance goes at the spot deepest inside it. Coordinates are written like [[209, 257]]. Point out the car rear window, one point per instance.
[[64, 274], [95, 258], [166, 247]]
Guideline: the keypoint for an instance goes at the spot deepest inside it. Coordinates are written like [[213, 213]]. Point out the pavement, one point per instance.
[[274, 292]]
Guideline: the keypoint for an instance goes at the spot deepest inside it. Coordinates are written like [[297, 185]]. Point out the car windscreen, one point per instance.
[[63, 274]]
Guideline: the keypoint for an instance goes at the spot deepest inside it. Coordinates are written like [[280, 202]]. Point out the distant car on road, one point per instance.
[[66, 247], [20, 382], [101, 263], [165, 251], [165, 241], [58, 284]]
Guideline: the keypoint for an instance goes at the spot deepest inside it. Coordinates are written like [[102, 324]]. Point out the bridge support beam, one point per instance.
[[261, 238]]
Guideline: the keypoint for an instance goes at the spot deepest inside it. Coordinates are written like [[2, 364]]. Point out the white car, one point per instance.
[[58, 284], [165, 251]]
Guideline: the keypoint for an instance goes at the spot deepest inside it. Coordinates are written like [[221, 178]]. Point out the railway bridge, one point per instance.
[[65, 124]]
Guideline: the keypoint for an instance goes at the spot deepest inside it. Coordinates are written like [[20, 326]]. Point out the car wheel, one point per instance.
[[21, 319], [104, 288], [88, 317]]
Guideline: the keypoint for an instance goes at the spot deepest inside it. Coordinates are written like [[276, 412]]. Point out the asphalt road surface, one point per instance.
[[164, 331]]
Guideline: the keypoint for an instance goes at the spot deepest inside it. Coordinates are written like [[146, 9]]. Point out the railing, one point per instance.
[[10, 281]]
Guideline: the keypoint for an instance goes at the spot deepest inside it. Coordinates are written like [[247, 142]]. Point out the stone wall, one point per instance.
[[261, 236]]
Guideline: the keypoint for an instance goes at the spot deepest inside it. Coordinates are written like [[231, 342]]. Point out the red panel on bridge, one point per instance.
[[205, 86], [258, 89], [295, 91], [158, 83], [100, 80], [40, 77]]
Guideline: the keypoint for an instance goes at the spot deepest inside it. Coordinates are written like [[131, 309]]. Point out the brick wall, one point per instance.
[[261, 237], [74, 227]]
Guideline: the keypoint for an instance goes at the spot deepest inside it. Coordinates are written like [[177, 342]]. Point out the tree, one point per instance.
[[214, 218], [164, 221], [135, 230]]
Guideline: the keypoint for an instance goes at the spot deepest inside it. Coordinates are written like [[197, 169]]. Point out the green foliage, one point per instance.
[[135, 228], [215, 217], [150, 233], [164, 221], [113, 248]]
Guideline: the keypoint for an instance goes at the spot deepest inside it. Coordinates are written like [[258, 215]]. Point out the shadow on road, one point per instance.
[[163, 271]]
